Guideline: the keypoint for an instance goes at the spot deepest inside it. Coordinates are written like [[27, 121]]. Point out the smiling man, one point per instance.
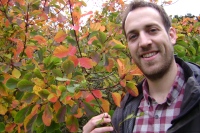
[[170, 94]]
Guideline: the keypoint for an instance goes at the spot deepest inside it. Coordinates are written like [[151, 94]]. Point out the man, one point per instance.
[[169, 96]]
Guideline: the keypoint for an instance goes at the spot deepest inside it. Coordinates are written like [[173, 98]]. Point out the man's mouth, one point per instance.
[[149, 55]]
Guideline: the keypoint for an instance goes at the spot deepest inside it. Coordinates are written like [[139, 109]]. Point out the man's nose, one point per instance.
[[144, 40]]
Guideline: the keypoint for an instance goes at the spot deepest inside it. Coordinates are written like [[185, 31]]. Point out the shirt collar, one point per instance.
[[174, 91]]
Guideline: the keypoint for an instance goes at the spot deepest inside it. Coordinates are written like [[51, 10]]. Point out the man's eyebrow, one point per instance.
[[131, 31]]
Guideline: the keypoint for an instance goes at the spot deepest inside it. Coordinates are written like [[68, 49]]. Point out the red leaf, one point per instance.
[[86, 62], [10, 127], [96, 93], [60, 36], [116, 98], [47, 116], [88, 13], [71, 50]]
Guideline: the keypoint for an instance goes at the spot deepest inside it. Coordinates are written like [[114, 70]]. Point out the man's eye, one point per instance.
[[153, 30], [132, 37]]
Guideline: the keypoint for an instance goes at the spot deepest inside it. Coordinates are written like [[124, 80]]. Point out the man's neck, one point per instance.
[[159, 89]]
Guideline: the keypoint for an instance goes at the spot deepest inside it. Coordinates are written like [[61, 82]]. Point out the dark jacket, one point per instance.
[[188, 121]]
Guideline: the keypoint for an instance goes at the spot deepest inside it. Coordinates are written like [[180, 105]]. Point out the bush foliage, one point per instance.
[[58, 70]]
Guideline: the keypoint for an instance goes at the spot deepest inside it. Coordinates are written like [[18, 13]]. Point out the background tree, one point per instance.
[[58, 70]]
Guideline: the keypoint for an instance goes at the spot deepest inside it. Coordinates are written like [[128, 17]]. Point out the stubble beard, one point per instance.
[[157, 72]]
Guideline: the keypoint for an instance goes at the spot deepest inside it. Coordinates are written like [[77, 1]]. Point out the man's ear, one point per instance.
[[172, 35]]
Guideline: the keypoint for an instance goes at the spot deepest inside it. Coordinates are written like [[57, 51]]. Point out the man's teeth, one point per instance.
[[149, 55]]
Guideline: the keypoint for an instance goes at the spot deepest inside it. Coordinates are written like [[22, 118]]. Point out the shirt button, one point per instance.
[[156, 116]]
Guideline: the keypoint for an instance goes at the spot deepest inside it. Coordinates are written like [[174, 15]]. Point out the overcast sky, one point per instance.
[[178, 7]]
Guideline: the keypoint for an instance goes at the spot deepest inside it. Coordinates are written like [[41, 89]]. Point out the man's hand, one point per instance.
[[95, 125]]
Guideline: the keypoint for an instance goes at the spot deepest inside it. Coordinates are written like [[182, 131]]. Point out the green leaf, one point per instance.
[[44, 93], [180, 50], [28, 97], [53, 127], [90, 111], [25, 85], [61, 114], [51, 62], [38, 73], [102, 37], [181, 43], [130, 116], [3, 90], [68, 67], [12, 83], [57, 72], [21, 114], [29, 125], [2, 126], [1, 78], [192, 50], [39, 121]]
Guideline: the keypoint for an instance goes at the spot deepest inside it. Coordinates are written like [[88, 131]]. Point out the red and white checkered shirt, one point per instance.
[[157, 117]]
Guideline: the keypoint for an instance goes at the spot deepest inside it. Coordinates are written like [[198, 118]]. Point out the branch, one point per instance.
[[76, 37]]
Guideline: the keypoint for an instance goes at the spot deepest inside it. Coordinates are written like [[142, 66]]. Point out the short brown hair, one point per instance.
[[140, 3]]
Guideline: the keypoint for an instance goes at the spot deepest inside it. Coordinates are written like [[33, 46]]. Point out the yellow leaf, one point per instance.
[[95, 26], [60, 36], [16, 73], [36, 89], [3, 109]]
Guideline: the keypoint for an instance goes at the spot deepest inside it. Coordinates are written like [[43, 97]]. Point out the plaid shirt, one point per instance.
[[157, 117]]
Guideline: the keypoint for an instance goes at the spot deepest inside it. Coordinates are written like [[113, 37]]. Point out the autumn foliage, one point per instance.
[[59, 66]]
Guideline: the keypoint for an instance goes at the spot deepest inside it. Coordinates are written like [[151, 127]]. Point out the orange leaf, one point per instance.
[[52, 97], [105, 105], [92, 39], [47, 115], [116, 98], [21, 2], [79, 113], [20, 46], [60, 36], [110, 65], [132, 89], [61, 51], [123, 67], [77, 95], [86, 62], [74, 59], [29, 51], [136, 71], [57, 106], [40, 39]]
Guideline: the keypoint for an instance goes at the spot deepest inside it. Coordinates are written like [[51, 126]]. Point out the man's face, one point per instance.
[[151, 46]]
